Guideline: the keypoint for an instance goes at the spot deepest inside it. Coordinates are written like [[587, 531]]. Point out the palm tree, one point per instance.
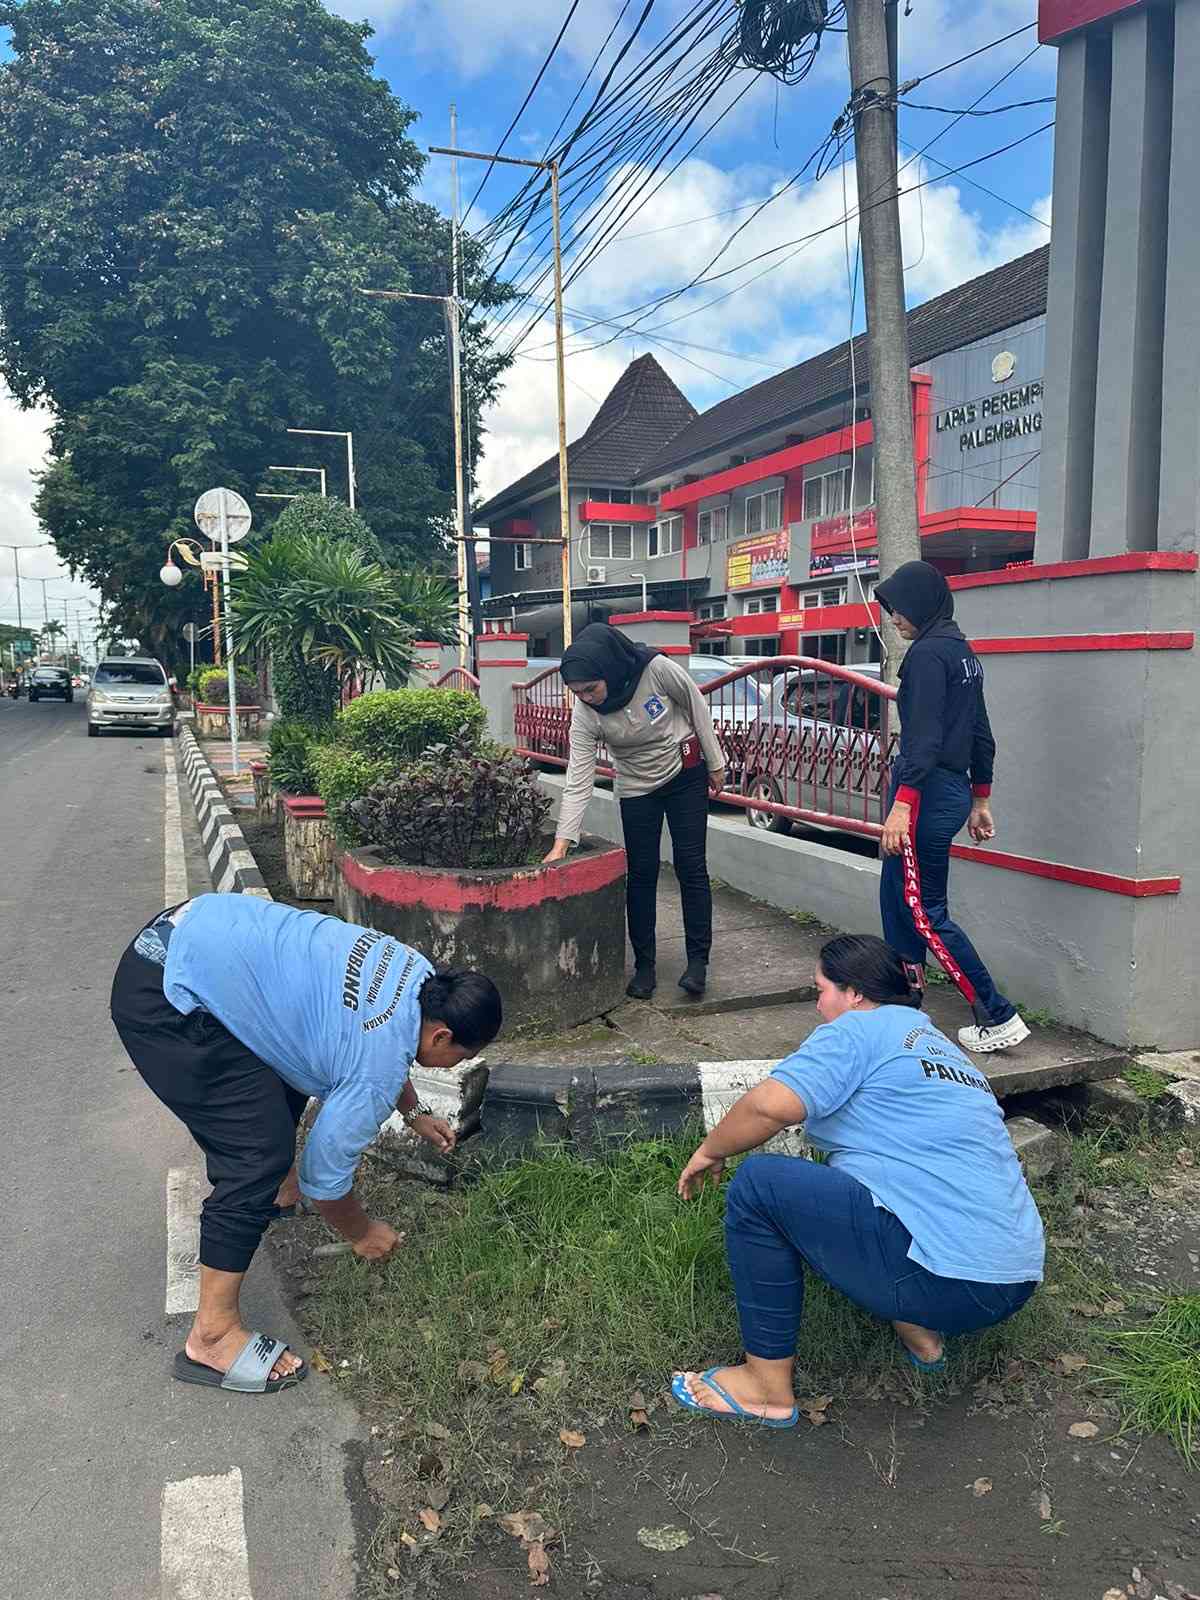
[[319, 604], [50, 635]]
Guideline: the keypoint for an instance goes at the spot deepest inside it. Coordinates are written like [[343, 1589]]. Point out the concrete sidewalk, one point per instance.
[[760, 1004]]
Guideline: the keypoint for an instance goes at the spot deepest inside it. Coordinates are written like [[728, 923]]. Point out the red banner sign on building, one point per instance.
[[759, 562], [1057, 18]]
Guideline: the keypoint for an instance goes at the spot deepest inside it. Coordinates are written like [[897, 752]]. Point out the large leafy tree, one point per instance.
[[192, 195]]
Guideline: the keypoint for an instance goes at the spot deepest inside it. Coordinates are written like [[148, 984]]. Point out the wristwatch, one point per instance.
[[415, 1111]]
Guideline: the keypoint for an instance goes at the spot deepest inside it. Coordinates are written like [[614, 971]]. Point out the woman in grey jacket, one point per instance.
[[668, 761]]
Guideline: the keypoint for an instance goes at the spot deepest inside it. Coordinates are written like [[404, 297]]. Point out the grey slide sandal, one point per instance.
[[250, 1372]]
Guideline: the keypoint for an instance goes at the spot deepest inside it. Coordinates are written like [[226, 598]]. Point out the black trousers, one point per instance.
[[239, 1111], [684, 803]]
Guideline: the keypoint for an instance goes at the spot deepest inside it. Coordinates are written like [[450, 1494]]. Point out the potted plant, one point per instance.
[[451, 863]]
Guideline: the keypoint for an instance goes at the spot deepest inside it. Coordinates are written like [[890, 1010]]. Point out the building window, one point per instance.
[[710, 610], [713, 526], [761, 604], [615, 541], [763, 647], [522, 557], [711, 647], [828, 494], [666, 537], [764, 512], [833, 596]]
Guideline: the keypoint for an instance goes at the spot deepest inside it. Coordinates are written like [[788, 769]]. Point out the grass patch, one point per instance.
[[1146, 1083], [1156, 1374]]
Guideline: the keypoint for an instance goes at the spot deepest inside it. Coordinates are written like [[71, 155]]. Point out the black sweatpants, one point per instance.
[[239, 1111], [683, 801]]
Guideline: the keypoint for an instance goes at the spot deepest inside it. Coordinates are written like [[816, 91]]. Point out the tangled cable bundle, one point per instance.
[[782, 37]]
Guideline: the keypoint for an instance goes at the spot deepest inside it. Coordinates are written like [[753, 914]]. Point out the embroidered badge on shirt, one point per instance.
[[654, 708]]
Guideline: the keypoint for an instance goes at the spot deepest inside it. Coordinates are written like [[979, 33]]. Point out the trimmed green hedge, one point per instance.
[[214, 688], [342, 777], [398, 725]]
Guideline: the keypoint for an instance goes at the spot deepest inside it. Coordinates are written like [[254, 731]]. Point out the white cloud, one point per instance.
[[477, 35], [793, 311], [24, 442]]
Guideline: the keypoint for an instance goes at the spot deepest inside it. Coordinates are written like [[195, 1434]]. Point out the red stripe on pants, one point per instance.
[[912, 899]]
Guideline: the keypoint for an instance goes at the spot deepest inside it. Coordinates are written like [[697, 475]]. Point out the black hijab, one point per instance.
[[600, 652], [920, 592]]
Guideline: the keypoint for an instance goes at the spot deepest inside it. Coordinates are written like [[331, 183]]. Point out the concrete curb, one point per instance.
[[233, 867]]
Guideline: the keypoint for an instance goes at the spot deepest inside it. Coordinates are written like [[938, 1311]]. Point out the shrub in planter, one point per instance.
[[341, 777], [304, 691], [290, 747], [398, 725], [458, 807], [214, 688]]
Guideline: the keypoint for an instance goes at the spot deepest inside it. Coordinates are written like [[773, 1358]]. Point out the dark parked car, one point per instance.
[[51, 683]]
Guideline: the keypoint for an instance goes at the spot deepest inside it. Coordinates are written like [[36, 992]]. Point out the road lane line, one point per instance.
[[204, 1539], [185, 1192], [175, 883]]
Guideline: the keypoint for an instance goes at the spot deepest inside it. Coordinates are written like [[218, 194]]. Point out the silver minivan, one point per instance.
[[130, 692]]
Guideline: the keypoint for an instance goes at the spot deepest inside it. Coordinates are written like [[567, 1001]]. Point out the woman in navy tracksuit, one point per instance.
[[941, 779]]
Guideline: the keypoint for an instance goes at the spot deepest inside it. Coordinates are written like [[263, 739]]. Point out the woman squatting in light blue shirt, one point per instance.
[[920, 1213]]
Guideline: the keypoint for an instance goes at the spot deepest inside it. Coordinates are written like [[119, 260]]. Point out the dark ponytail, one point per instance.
[[467, 1002], [863, 962]]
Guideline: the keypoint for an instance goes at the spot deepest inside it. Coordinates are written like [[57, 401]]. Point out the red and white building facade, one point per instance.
[[754, 521]]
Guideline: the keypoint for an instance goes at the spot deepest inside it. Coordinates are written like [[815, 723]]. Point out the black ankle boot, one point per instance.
[[643, 983], [695, 979]]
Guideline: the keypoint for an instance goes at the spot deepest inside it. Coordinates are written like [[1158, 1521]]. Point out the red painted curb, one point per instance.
[[441, 889], [304, 807]]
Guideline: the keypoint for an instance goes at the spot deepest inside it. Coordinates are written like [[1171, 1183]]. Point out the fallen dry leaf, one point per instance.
[[321, 1362], [1067, 1364], [430, 1465], [429, 1519], [539, 1564], [437, 1430], [1185, 1157], [815, 1409], [483, 1510], [980, 1487], [1083, 1430], [1113, 1308], [1085, 1309], [572, 1439], [1113, 1594], [663, 1539], [639, 1417], [529, 1525], [472, 1372], [1044, 1509], [409, 1543], [516, 1382]]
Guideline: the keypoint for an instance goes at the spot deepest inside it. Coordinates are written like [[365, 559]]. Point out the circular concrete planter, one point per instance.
[[552, 938]]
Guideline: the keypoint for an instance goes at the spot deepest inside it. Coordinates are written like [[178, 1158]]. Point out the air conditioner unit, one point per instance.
[[597, 575]]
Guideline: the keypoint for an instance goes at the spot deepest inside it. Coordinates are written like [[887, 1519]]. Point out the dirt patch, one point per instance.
[[265, 840]]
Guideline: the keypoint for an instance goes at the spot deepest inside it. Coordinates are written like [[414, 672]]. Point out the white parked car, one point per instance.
[[131, 692]]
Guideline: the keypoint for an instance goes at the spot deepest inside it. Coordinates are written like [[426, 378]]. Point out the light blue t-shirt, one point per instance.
[[332, 1007], [899, 1107]]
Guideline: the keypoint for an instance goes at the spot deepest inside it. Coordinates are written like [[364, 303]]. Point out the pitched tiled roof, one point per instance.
[[986, 305], [642, 412]]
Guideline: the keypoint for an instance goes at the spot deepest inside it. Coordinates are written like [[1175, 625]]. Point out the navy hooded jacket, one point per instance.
[[943, 718]]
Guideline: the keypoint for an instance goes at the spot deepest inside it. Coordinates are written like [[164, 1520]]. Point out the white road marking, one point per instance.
[[204, 1539], [175, 884], [186, 1189]]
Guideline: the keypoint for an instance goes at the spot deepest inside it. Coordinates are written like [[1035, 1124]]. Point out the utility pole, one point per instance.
[[466, 552], [564, 508], [873, 100]]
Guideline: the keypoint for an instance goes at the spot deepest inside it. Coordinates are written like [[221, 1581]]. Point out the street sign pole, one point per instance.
[[223, 515]]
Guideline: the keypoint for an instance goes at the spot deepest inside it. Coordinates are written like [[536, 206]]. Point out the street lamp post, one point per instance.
[[316, 471], [564, 509], [332, 433]]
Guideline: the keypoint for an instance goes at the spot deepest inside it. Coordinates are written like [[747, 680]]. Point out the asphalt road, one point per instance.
[[117, 1481]]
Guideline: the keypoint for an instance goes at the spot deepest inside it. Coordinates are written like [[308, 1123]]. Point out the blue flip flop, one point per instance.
[[925, 1366], [737, 1413]]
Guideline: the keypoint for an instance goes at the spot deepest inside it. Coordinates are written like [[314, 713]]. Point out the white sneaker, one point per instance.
[[999, 1036]]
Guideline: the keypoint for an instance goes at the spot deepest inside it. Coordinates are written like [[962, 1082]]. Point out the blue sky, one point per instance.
[[484, 54]]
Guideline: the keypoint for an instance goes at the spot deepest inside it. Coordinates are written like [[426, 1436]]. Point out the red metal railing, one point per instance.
[[804, 740], [459, 678]]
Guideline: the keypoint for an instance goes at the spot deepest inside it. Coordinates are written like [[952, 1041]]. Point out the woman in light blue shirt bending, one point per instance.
[[920, 1213]]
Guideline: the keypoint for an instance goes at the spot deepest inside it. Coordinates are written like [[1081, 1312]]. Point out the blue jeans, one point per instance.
[[945, 807], [783, 1213]]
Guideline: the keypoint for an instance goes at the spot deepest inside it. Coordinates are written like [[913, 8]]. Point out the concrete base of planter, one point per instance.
[[212, 722], [552, 938], [308, 847], [264, 800]]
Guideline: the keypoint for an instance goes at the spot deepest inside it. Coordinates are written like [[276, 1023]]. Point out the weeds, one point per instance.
[[1155, 1371], [1146, 1083]]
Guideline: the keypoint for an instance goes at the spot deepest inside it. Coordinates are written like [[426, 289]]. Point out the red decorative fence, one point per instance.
[[459, 678], [804, 740]]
